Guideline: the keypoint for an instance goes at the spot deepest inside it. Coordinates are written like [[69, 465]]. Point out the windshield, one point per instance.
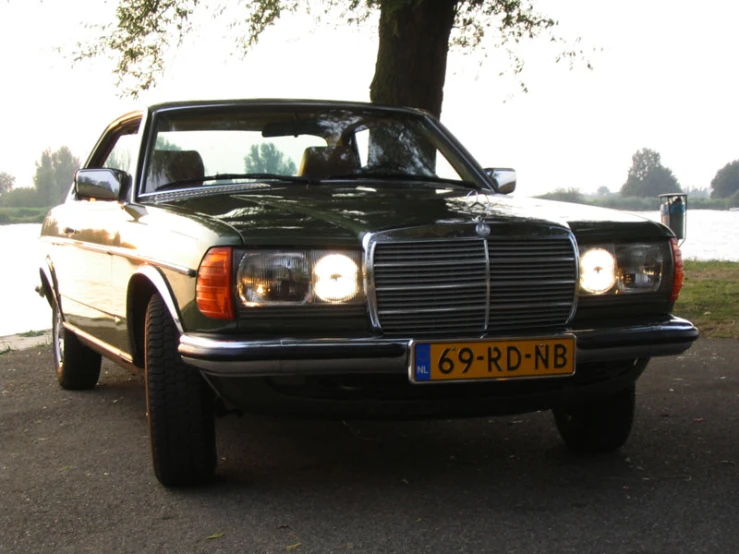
[[206, 146]]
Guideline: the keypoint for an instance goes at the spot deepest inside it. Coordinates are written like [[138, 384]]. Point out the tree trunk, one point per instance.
[[411, 58]]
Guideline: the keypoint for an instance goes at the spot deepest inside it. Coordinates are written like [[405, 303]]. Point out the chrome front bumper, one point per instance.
[[281, 357]]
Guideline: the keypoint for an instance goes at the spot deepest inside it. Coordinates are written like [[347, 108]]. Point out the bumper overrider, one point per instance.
[[235, 357]]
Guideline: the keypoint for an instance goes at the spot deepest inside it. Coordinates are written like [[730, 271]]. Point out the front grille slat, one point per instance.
[[414, 311], [547, 282], [471, 286], [433, 276]]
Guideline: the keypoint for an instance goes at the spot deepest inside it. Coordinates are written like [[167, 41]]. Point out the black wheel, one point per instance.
[[77, 366], [179, 404], [600, 425]]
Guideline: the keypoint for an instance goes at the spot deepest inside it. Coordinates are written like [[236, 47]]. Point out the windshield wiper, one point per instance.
[[394, 176], [227, 176]]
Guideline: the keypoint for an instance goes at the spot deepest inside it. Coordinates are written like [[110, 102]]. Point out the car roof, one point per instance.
[[280, 103]]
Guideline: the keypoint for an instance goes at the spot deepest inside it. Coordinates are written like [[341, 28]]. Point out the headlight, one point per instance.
[[623, 268], [272, 277], [641, 267], [336, 278], [597, 271]]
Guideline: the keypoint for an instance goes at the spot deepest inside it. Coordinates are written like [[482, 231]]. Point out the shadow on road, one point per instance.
[[76, 477]]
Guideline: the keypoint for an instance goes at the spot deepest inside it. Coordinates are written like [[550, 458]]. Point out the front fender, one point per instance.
[[144, 283], [48, 287]]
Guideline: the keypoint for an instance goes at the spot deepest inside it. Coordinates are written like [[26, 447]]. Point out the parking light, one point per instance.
[[679, 272], [213, 286]]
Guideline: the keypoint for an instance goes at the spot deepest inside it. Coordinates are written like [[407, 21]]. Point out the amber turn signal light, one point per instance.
[[677, 280], [213, 286]]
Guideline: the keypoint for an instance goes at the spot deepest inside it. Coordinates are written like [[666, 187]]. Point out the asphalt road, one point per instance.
[[75, 475]]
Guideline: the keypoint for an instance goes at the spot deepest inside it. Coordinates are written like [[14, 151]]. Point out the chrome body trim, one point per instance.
[[160, 283], [368, 247], [102, 347], [122, 252], [576, 303], [488, 287], [47, 271], [182, 270], [283, 357]]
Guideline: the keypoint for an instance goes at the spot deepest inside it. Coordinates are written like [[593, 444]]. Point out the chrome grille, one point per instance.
[[431, 286], [532, 282], [468, 286]]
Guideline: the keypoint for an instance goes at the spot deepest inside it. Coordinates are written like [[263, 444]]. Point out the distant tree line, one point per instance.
[[6, 182], [647, 178], [267, 158], [51, 183], [726, 182]]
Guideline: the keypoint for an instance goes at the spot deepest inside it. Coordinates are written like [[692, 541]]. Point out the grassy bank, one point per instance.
[[10, 216], [710, 298]]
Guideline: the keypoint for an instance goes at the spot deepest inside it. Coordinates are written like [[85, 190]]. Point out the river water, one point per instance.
[[21, 309], [711, 235]]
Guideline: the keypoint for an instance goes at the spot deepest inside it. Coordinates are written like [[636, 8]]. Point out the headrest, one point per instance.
[[320, 162], [168, 166]]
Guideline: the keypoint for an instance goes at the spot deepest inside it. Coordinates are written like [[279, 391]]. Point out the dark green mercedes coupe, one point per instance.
[[335, 259]]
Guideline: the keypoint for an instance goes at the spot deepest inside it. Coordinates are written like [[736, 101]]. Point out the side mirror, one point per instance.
[[100, 184], [672, 210], [503, 178]]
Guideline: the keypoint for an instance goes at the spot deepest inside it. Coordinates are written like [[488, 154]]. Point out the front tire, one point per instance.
[[77, 366], [179, 404], [599, 425]]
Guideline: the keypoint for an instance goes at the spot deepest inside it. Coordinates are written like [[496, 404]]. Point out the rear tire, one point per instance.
[[180, 406], [600, 425], [77, 366]]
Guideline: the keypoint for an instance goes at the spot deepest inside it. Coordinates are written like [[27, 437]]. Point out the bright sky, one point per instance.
[[664, 78]]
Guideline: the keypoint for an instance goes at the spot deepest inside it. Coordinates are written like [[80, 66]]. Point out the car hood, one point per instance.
[[303, 213]]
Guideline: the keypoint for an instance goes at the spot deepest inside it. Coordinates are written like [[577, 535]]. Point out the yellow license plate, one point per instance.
[[492, 359]]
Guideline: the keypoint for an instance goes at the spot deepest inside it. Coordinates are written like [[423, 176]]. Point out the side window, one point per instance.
[[123, 154], [361, 139], [444, 169]]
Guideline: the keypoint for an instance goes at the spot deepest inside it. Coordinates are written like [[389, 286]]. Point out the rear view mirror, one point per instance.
[[503, 178], [100, 184]]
